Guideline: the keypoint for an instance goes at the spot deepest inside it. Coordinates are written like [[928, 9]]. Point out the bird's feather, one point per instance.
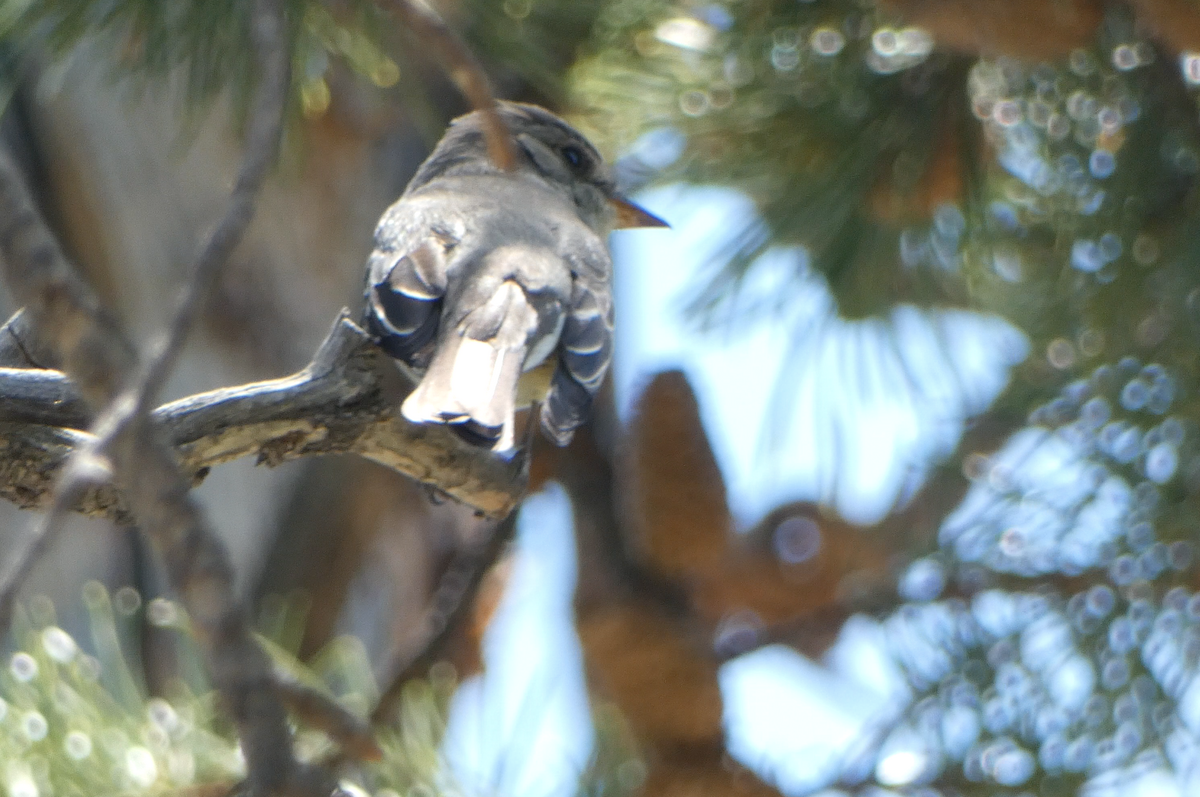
[[471, 381], [404, 296]]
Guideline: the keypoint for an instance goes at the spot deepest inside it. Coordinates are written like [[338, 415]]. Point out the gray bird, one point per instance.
[[481, 275]]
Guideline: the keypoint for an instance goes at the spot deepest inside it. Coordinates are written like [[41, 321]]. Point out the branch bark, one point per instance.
[[346, 401]]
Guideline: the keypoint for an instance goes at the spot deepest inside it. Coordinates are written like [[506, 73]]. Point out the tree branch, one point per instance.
[[346, 401], [20, 347]]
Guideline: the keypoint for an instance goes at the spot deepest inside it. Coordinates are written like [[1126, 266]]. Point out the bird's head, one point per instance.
[[549, 150]]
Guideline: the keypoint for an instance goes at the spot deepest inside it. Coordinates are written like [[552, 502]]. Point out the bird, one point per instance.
[[481, 275]]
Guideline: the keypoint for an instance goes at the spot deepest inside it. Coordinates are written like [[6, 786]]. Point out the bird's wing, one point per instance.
[[585, 347], [406, 280]]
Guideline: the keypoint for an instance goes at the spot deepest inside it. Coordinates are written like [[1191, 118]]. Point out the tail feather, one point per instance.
[[471, 383]]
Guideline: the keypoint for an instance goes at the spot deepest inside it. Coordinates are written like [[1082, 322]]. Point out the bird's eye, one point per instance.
[[573, 156]]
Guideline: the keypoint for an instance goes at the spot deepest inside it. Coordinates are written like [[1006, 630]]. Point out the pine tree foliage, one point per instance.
[[533, 40], [1052, 643], [74, 722], [208, 47], [792, 104]]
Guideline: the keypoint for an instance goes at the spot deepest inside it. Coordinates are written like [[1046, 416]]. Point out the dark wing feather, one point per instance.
[[585, 348], [404, 295], [587, 337]]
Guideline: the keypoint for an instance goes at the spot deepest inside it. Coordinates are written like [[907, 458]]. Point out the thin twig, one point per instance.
[[466, 73], [19, 347], [100, 360], [451, 602], [75, 326], [262, 143], [318, 710], [83, 473]]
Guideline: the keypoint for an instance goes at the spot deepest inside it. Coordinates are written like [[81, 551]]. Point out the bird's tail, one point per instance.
[[471, 381]]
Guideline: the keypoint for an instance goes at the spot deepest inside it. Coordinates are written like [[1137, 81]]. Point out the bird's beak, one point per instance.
[[630, 215]]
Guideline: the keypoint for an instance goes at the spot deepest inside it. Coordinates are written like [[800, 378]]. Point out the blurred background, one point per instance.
[[892, 488]]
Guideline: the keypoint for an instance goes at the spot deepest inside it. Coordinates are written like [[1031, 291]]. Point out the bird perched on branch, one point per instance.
[[480, 275]]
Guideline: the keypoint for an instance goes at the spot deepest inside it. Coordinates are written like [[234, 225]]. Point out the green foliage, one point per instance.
[[1081, 210], [73, 723], [615, 769], [533, 40], [1057, 646], [208, 47], [792, 104], [77, 724], [855, 138]]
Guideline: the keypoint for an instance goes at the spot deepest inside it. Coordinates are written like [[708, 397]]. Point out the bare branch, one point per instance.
[[37, 396], [345, 402], [466, 72]]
